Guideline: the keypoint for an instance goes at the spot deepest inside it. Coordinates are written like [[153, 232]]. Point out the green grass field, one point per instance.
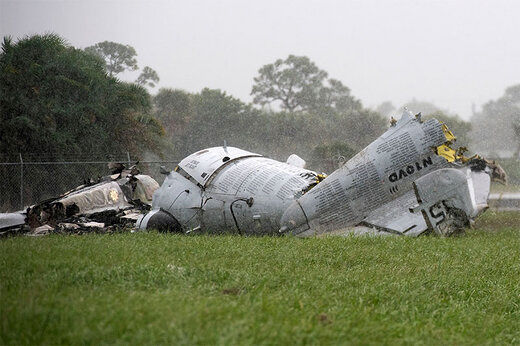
[[154, 288]]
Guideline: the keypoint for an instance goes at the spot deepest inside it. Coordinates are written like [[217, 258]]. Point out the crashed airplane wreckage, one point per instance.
[[409, 181], [109, 204]]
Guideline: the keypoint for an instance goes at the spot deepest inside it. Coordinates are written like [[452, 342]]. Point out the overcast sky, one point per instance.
[[451, 53]]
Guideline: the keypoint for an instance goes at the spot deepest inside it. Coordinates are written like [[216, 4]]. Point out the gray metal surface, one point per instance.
[[8, 220], [246, 194], [202, 164]]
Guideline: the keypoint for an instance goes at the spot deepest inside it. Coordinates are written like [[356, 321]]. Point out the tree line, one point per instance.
[[55, 98]]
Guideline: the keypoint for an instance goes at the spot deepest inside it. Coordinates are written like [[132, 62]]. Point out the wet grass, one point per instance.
[[149, 288]]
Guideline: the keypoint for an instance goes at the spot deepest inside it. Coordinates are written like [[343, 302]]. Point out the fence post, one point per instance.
[[21, 181], [128, 156]]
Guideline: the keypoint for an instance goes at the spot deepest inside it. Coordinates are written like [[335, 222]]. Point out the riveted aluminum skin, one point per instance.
[[233, 190]]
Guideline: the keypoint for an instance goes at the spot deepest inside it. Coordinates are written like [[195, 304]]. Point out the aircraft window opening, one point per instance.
[[185, 174]]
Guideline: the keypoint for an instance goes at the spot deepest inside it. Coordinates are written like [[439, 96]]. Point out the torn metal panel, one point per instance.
[[42, 230], [395, 217], [202, 164], [97, 198], [145, 186], [296, 161], [447, 152], [10, 223], [8, 220]]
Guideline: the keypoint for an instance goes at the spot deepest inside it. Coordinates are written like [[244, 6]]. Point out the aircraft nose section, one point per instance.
[[294, 221]]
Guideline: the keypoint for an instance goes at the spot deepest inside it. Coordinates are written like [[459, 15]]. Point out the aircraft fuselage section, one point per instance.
[[225, 189]]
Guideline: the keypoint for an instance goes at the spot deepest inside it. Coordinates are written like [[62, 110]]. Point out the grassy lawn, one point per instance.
[[154, 288]]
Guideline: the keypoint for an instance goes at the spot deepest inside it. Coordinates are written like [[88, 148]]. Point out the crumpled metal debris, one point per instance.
[[408, 181], [113, 203]]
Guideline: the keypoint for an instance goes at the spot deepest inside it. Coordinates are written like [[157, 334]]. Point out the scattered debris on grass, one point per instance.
[[111, 204], [324, 319], [232, 291], [176, 269]]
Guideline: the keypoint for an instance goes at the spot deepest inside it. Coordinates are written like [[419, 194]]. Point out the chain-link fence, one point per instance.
[[26, 179]]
